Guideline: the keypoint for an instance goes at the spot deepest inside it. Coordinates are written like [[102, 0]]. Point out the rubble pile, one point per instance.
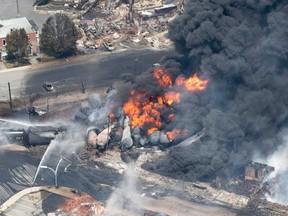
[[111, 24], [260, 207]]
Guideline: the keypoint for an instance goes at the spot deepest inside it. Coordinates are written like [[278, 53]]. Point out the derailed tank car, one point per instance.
[[42, 135], [18, 136], [36, 135]]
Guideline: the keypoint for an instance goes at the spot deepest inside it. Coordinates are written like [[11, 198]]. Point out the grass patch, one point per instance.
[[4, 108], [14, 63], [46, 58]]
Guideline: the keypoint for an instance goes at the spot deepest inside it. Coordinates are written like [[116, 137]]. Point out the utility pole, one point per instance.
[[130, 14], [10, 96], [17, 8], [106, 4], [107, 135], [83, 87], [47, 103]]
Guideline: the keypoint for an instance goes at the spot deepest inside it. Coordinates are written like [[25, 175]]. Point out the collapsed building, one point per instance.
[[257, 171]]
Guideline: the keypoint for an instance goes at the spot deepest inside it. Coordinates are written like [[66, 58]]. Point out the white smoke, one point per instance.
[[125, 198], [3, 139], [98, 110], [278, 180]]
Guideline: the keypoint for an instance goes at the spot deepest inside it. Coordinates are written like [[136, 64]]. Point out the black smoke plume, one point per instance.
[[242, 48]]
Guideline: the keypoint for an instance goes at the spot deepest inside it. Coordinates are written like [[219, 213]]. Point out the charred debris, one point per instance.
[[115, 25]]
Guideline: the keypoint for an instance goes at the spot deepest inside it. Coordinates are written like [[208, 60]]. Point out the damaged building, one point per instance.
[[257, 171]]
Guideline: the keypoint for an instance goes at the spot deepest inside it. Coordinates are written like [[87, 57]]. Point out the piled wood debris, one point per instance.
[[110, 23]]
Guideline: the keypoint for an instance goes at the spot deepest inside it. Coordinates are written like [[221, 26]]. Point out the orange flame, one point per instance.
[[142, 112], [176, 133], [171, 116], [163, 79], [171, 97], [192, 83], [75, 205], [146, 113], [160, 100], [151, 130], [111, 117]]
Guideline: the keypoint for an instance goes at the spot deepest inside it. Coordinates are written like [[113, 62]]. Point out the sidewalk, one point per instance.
[[33, 60], [2, 66]]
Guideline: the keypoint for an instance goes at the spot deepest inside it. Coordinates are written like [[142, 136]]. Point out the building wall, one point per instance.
[[1, 42], [261, 173], [257, 173], [249, 173], [32, 40]]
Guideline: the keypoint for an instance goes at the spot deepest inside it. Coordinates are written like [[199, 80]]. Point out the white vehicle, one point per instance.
[[48, 86], [109, 46]]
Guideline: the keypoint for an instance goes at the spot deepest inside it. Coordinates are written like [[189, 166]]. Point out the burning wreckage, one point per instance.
[[142, 119], [139, 123]]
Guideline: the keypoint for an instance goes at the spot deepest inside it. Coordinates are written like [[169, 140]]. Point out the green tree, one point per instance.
[[17, 43], [59, 36]]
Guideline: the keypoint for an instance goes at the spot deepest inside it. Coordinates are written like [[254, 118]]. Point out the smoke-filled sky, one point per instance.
[[242, 48]]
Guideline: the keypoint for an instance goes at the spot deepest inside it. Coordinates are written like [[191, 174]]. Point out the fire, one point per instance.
[[111, 117], [192, 83], [176, 133], [163, 79], [77, 205], [144, 111], [172, 97], [171, 116], [173, 134], [151, 130]]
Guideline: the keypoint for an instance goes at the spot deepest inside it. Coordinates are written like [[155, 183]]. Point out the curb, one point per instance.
[[78, 58], [15, 69]]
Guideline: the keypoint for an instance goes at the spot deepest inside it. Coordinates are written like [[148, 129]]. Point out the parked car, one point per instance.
[[48, 86], [156, 65], [109, 46]]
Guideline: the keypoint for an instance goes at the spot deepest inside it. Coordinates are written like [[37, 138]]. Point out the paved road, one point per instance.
[[92, 70], [8, 10]]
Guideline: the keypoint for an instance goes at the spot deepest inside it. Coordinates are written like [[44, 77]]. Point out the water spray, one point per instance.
[[49, 168]]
